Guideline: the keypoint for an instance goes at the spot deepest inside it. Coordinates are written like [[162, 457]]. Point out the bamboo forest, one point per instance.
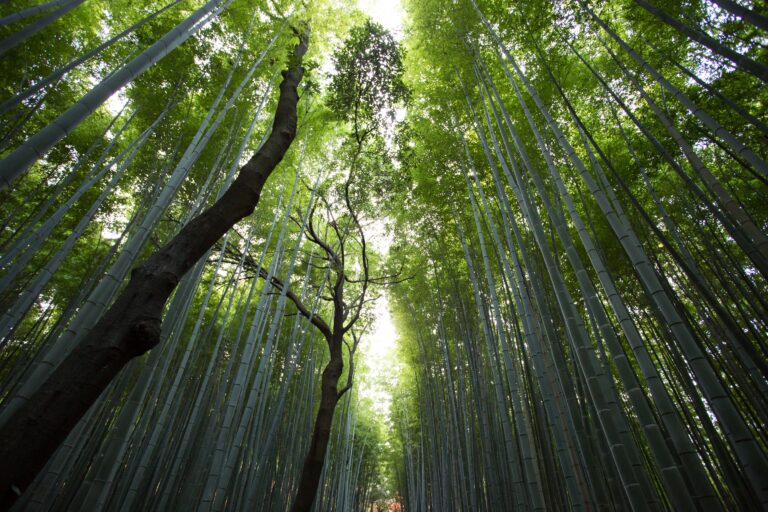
[[383, 255]]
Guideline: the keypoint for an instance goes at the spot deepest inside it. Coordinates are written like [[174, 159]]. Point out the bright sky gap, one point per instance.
[[377, 349]]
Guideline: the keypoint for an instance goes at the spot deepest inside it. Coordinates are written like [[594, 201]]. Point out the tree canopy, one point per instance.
[[561, 202]]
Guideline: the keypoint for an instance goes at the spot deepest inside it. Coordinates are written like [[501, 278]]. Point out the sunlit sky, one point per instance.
[[387, 12], [377, 349]]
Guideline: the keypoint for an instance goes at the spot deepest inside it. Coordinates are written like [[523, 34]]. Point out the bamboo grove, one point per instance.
[[593, 335], [573, 198]]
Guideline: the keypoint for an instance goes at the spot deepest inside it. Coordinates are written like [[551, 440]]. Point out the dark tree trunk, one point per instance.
[[313, 463], [131, 326]]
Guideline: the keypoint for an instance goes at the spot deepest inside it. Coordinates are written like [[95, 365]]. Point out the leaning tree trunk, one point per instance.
[[741, 62], [132, 325], [755, 18], [36, 26], [30, 11]]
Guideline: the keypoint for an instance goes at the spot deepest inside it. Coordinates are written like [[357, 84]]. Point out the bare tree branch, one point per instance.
[[316, 320]]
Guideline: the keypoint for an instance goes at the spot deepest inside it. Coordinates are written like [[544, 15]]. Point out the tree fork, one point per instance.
[[132, 324]]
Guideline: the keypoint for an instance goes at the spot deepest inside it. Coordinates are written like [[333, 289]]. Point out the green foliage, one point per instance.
[[414, 176], [367, 84]]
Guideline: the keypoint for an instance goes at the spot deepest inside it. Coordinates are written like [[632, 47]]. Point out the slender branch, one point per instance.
[[316, 320], [313, 237], [351, 351]]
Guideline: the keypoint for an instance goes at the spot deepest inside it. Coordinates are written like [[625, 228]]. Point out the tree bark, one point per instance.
[[313, 463], [132, 325], [312, 469]]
